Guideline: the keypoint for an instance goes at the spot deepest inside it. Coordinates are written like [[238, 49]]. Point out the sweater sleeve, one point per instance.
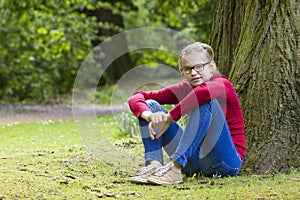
[[168, 95]]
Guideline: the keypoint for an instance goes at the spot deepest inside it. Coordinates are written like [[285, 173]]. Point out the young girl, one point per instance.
[[213, 141]]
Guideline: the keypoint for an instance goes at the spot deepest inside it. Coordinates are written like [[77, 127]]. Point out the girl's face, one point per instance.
[[196, 70]]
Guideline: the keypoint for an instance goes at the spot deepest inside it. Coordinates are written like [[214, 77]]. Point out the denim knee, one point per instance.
[[154, 106]]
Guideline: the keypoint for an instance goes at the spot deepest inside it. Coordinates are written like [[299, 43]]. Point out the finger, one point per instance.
[[151, 131], [162, 130], [152, 137], [152, 118], [158, 118], [165, 117]]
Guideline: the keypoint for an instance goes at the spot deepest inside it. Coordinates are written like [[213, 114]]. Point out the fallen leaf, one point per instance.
[[65, 182], [70, 176], [22, 169], [192, 178], [95, 189], [108, 195], [131, 193], [111, 195], [111, 186], [274, 194]]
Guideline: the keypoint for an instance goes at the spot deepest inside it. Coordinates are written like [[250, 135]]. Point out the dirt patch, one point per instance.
[[39, 113]]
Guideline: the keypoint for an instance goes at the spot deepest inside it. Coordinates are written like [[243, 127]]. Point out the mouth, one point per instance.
[[197, 79]]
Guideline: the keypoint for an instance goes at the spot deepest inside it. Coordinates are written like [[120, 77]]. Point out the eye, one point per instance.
[[198, 67]]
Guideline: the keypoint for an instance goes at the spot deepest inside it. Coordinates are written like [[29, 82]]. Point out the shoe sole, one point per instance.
[[159, 182], [138, 180]]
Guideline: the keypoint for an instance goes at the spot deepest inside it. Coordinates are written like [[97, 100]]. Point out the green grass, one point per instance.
[[49, 161]]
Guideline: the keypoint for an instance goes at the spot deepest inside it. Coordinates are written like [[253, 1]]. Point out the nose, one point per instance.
[[194, 71]]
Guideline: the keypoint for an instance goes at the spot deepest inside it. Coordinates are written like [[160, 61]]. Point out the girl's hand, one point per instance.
[[159, 120], [165, 127]]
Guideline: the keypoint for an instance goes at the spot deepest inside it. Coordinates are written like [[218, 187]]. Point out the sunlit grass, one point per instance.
[[49, 161], [38, 136]]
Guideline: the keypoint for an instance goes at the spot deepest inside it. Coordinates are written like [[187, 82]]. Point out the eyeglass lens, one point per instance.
[[197, 68]]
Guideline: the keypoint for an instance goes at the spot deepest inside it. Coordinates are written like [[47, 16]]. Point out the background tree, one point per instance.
[[258, 45], [108, 14]]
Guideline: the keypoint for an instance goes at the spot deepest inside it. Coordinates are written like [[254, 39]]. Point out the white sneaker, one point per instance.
[[143, 174], [166, 175]]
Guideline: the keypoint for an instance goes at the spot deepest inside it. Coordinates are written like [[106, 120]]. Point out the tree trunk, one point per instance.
[[263, 57], [226, 32], [106, 16]]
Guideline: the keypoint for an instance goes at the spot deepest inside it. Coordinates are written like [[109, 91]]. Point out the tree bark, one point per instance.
[[226, 32], [263, 59]]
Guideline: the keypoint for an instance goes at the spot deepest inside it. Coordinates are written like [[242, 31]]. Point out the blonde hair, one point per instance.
[[206, 51], [197, 48]]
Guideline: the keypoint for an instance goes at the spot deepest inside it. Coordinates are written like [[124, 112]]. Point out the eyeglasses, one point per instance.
[[197, 68]]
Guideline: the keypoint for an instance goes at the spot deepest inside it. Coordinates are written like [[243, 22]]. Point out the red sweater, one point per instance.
[[188, 98]]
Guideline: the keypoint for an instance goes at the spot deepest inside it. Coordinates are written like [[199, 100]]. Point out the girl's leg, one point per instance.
[[153, 148], [206, 145], [197, 125], [169, 140]]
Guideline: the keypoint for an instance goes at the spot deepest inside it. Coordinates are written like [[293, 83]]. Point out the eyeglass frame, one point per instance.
[[194, 68]]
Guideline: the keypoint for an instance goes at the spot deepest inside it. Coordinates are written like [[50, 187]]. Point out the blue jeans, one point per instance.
[[204, 146]]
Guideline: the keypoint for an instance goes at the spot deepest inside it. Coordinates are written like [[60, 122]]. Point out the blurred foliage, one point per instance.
[[43, 43], [192, 18], [108, 95]]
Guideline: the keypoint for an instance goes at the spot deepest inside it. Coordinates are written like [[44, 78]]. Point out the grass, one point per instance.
[[49, 161]]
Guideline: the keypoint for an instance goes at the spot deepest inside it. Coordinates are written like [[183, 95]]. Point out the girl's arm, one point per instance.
[[169, 95]]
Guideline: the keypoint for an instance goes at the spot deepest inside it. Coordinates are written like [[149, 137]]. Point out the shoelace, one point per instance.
[[145, 170], [162, 170]]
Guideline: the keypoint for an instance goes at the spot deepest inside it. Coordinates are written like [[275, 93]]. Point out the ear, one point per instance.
[[212, 66], [213, 63]]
